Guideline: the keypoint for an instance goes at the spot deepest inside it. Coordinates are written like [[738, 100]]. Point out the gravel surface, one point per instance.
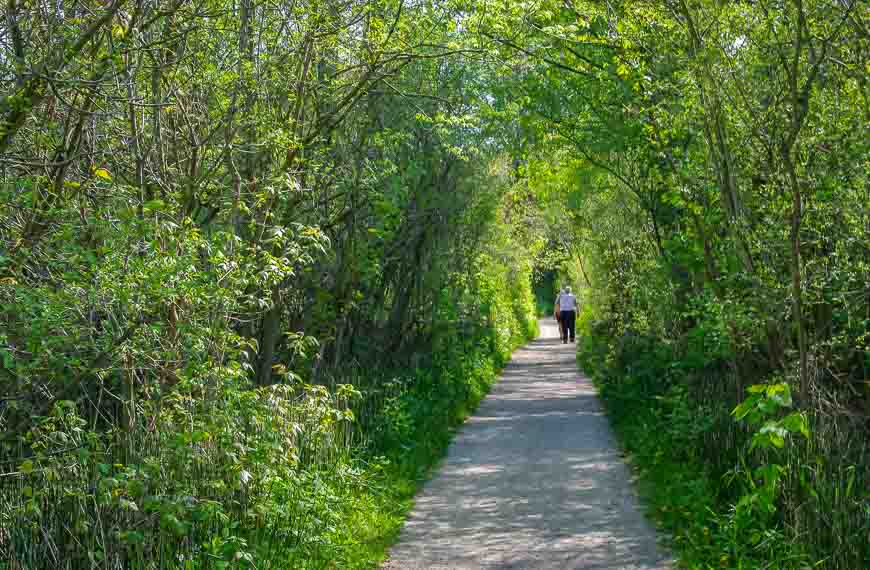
[[533, 480]]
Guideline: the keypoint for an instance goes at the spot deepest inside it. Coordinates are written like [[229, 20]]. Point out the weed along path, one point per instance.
[[534, 480]]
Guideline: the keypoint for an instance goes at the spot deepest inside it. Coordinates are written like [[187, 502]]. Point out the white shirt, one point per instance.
[[567, 302]]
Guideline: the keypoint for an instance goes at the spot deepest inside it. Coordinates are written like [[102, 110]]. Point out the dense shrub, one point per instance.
[[290, 471], [763, 486]]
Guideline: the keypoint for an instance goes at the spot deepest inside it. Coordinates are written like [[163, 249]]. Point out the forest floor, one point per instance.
[[534, 480]]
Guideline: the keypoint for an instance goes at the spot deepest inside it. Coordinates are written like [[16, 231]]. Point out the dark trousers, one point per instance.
[[567, 318]]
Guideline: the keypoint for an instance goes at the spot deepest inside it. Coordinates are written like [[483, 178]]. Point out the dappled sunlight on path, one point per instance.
[[533, 480]]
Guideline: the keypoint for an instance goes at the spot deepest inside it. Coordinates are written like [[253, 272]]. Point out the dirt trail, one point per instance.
[[533, 480]]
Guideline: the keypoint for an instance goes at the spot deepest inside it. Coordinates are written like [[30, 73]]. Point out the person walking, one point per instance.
[[567, 303], [557, 312]]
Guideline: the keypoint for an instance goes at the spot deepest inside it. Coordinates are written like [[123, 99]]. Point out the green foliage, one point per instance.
[[686, 157], [255, 263], [214, 473], [735, 511]]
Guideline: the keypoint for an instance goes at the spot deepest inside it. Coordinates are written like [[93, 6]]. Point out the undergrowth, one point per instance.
[[418, 415], [220, 474], [736, 484]]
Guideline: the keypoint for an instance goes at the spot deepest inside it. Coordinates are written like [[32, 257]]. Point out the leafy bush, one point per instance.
[[207, 471], [763, 508]]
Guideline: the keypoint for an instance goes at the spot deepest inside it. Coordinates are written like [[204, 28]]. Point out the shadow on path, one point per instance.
[[533, 480]]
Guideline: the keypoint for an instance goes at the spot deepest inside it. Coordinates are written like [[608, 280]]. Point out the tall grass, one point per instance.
[[251, 475], [698, 470], [225, 476]]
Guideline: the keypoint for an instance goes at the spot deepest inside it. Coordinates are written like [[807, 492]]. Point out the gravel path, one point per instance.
[[533, 480]]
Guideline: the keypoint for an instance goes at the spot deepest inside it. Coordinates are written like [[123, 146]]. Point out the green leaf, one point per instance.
[[154, 205], [8, 362], [745, 407], [132, 537], [796, 423], [780, 393], [771, 434]]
